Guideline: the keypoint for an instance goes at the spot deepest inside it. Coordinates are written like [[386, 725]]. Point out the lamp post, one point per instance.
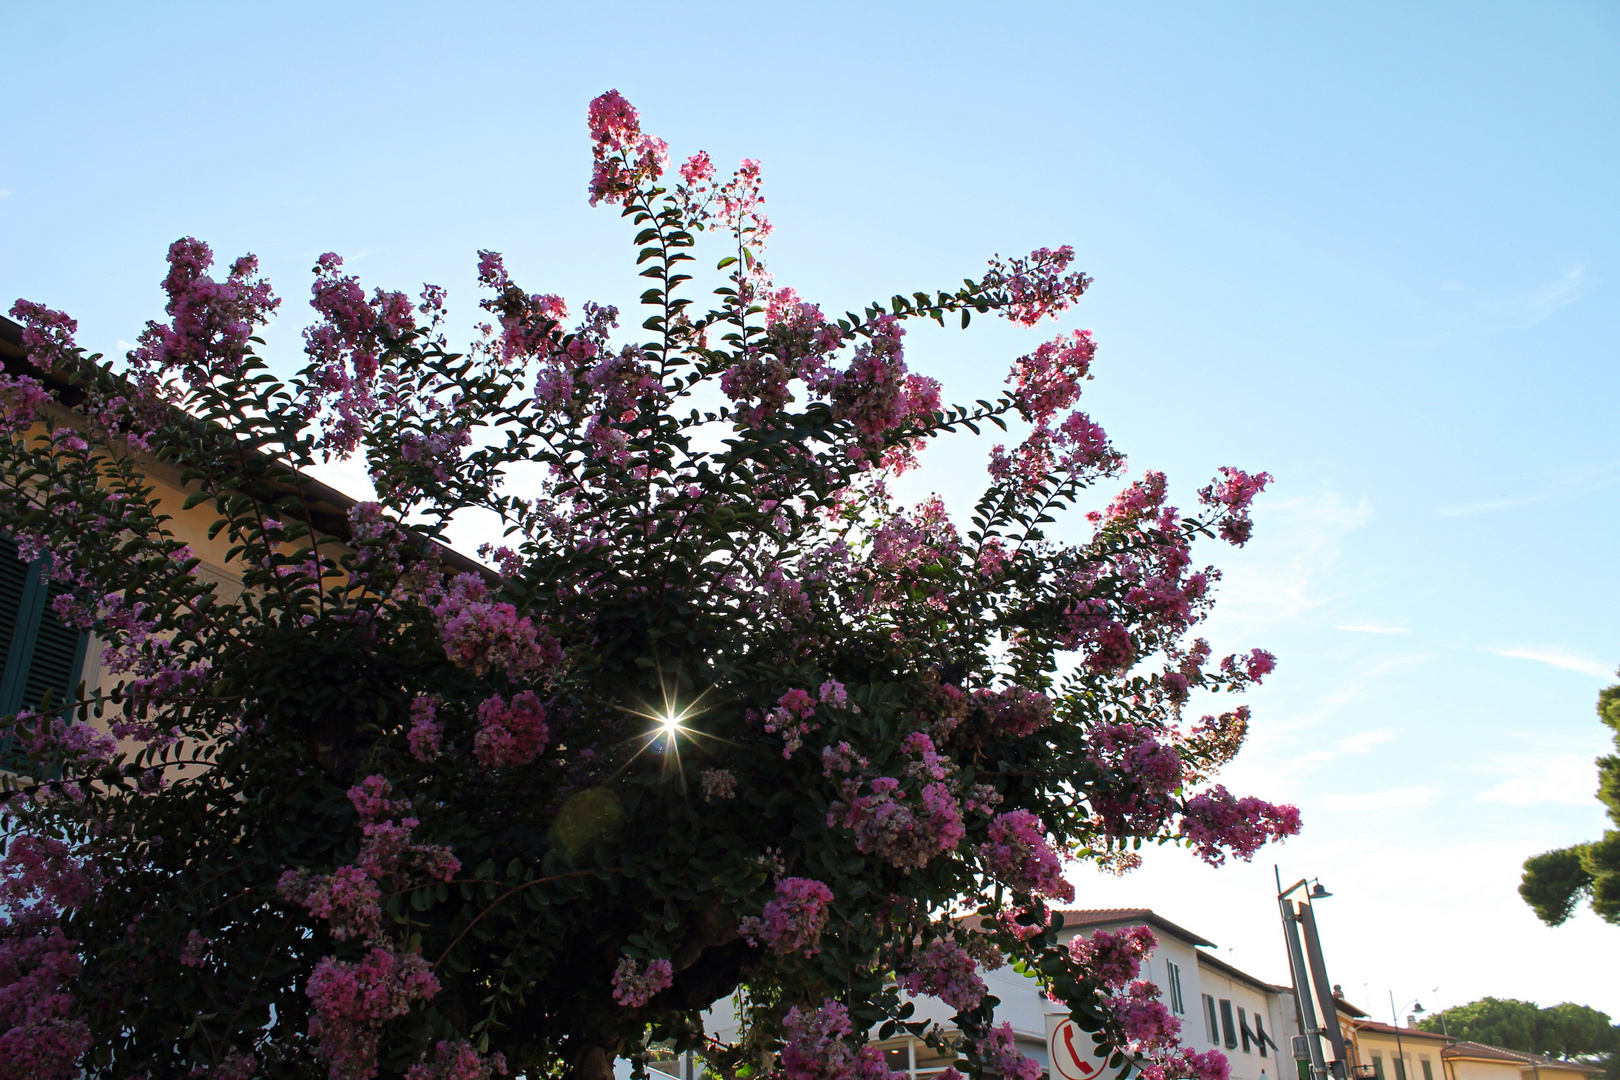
[[1318, 1015], [1400, 1052]]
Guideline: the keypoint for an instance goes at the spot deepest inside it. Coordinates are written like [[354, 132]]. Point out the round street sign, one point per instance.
[[1073, 1054]]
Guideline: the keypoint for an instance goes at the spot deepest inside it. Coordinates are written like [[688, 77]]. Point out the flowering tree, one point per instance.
[[720, 718]]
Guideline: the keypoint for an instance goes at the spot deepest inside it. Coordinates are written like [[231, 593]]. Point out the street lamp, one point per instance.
[[1395, 1018], [1313, 995]]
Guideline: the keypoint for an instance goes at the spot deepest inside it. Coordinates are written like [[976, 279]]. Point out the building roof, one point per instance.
[[1222, 966], [1347, 1008], [1103, 916], [325, 508], [1464, 1048], [1403, 1032]]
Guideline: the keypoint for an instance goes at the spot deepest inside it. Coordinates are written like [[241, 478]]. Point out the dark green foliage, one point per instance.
[[1555, 882]]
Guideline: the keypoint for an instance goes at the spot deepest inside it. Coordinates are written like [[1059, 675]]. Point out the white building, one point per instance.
[[1219, 1006]]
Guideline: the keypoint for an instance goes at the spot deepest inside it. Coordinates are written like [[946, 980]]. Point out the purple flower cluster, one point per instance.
[[999, 1052], [458, 1060], [345, 347], [1017, 854], [510, 735], [817, 1047], [1216, 819], [211, 321], [482, 634], [793, 921], [1114, 959], [636, 984], [945, 970], [353, 1000]]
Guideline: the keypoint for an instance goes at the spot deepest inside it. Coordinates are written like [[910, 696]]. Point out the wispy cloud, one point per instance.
[[1558, 293], [1559, 658], [1373, 628], [1581, 481], [5, 193], [1363, 741], [1286, 573], [1567, 779], [1403, 798]]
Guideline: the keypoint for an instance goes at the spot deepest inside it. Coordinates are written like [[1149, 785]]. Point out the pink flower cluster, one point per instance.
[[1148, 1025], [889, 824], [791, 718], [636, 984], [354, 1000], [22, 402], [875, 393], [510, 735], [528, 321], [1138, 771], [350, 898], [999, 1053], [481, 634], [1048, 379], [817, 1047], [426, 732], [1216, 819], [1016, 711], [39, 1035], [457, 1060], [1114, 959], [625, 156], [1037, 287], [945, 970], [345, 347], [791, 922], [211, 321], [1234, 491], [47, 335], [1017, 854]]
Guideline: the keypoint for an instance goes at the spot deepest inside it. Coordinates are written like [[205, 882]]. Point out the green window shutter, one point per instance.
[[58, 658], [13, 583], [1228, 1028], [42, 653]]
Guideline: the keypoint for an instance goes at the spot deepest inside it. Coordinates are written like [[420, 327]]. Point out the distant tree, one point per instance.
[[1555, 882], [1566, 1030]]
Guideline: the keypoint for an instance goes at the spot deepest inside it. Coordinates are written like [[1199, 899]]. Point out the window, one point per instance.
[[1243, 1029], [1378, 1065], [1177, 1006], [1262, 1038], [1214, 1024], [1400, 1067], [41, 654], [1228, 1031], [1428, 1073]]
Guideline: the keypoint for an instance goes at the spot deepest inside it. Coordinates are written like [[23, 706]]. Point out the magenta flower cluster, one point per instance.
[[1215, 820], [1000, 1055], [792, 922], [635, 984], [510, 734], [1017, 853], [482, 634], [945, 970], [817, 1047]]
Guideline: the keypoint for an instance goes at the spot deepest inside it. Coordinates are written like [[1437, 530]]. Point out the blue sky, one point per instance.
[[1370, 248]]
